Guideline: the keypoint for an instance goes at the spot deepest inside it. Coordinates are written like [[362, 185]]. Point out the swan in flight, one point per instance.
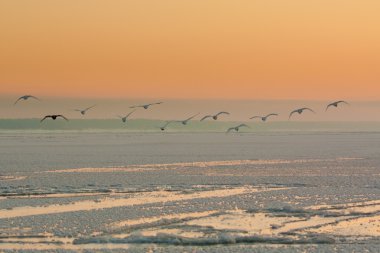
[[26, 97], [124, 119], [184, 122], [54, 117], [264, 118], [215, 117], [146, 106], [335, 104], [163, 128], [236, 128], [83, 112], [300, 111]]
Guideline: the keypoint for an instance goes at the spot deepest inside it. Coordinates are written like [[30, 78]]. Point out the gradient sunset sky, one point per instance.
[[198, 49]]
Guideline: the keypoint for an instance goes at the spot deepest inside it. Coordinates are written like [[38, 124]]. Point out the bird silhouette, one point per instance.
[[236, 128], [54, 117], [83, 112], [214, 117], [300, 111], [26, 97], [264, 118], [184, 122], [124, 119], [336, 103], [146, 106], [163, 128]]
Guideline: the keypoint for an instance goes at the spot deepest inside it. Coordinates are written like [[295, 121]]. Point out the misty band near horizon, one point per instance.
[[151, 126]]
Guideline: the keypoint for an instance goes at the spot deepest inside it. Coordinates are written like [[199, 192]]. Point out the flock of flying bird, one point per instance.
[[183, 122]]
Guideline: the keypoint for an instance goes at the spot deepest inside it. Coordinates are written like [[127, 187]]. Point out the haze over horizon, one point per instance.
[[179, 109]]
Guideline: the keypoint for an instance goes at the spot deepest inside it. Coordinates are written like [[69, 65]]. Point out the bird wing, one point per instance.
[[18, 100], [205, 117], [30, 96], [271, 114], [88, 108], [130, 113], [222, 113], [157, 103], [63, 117], [308, 109], [167, 123], [48, 116], [243, 125], [290, 115], [136, 106], [327, 107], [192, 117], [342, 101], [255, 117], [230, 129]]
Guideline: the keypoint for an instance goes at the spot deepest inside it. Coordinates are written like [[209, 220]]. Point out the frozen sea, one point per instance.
[[86, 191]]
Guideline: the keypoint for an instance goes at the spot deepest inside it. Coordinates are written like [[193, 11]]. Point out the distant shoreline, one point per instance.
[[145, 125]]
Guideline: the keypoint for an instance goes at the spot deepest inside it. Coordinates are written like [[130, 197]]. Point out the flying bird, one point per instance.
[[26, 97], [124, 119], [300, 110], [163, 128], [236, 128], [336, 104], [215, 117], [264, 118], [146, 106], [54, 117], [184, 122], [83, 112]]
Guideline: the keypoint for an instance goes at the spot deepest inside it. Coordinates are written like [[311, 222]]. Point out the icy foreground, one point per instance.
[[190, 192]]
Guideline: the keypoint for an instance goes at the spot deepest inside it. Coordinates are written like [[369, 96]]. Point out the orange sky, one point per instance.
[[275, 49]]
